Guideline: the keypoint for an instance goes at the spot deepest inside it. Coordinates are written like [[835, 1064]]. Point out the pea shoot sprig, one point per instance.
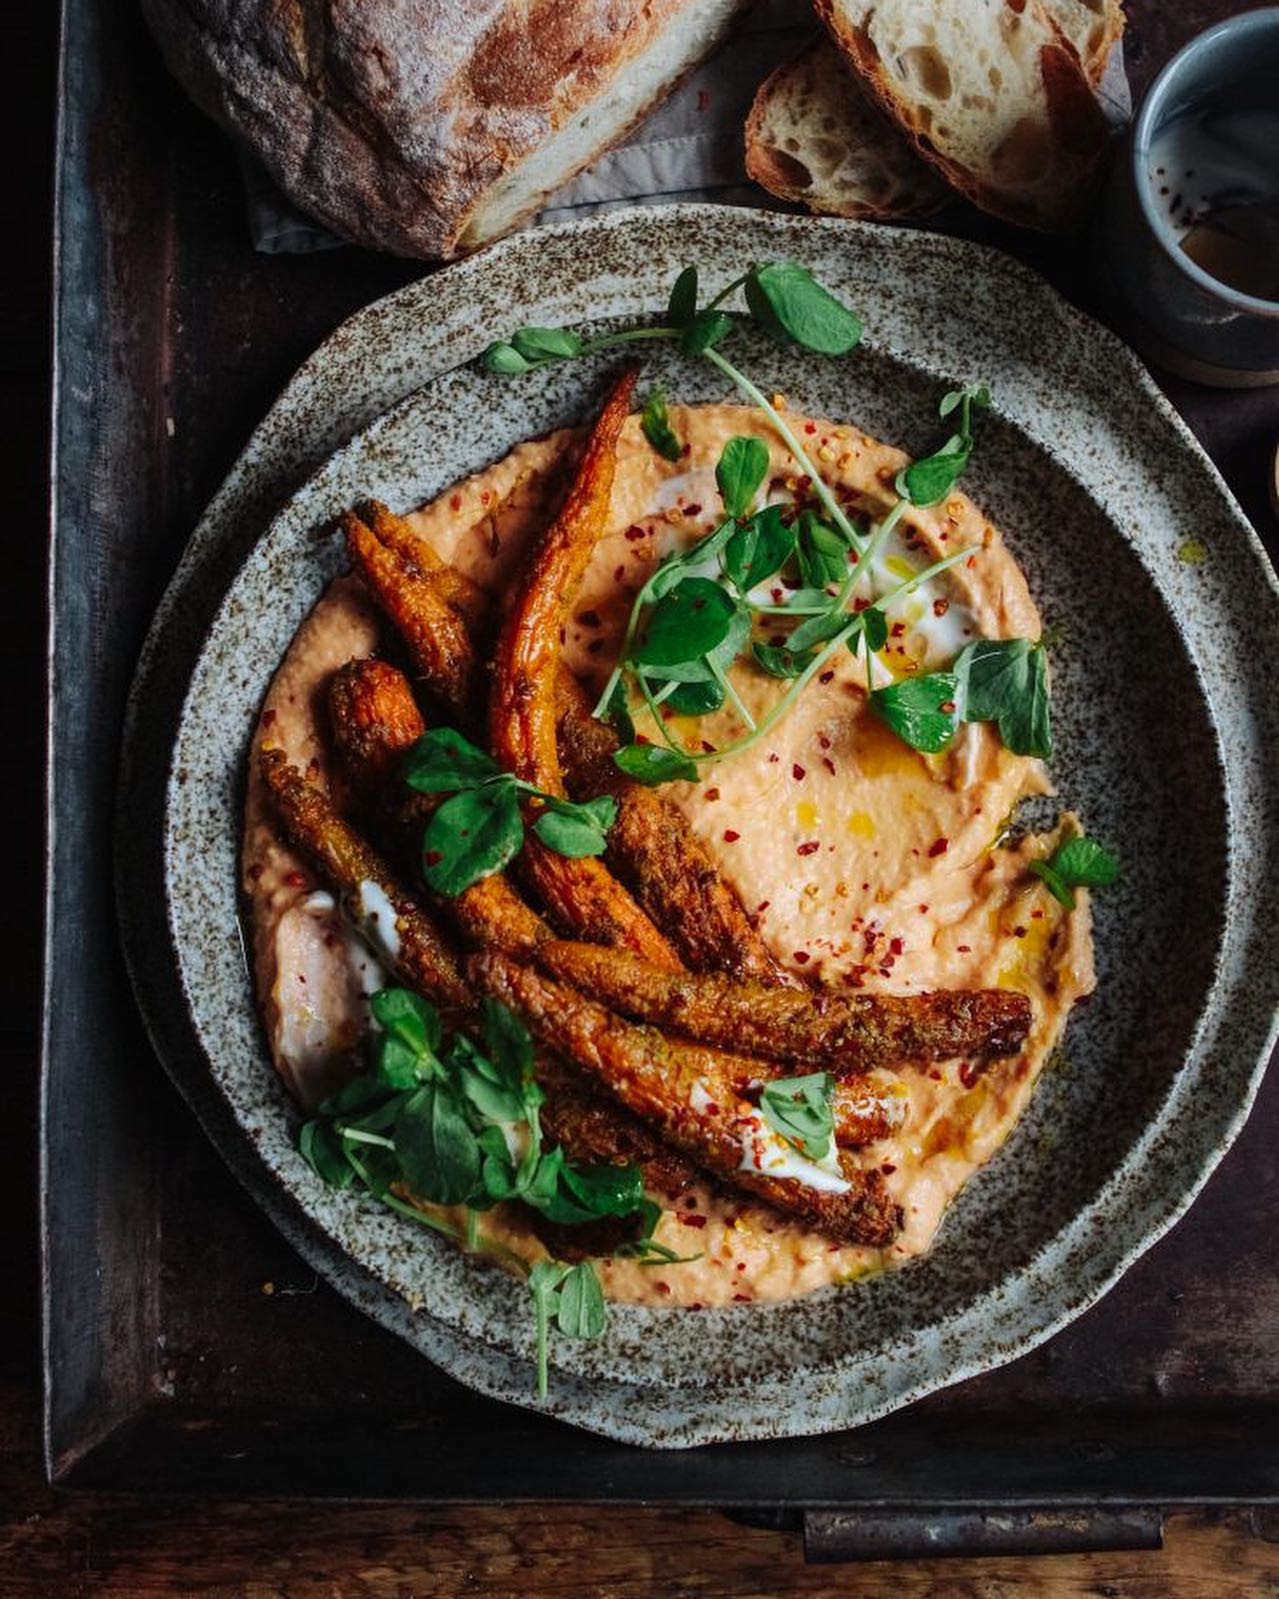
[[694, 617], [481, 827], [456, 1123]]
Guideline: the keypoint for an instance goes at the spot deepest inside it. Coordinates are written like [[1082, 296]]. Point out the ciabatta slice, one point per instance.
[[814, 136], [991, 92], [1093, 27]]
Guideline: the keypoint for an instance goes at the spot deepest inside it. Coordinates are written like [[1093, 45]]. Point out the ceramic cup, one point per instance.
[[1179, 313]]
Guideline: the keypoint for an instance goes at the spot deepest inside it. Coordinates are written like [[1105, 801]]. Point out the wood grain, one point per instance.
[[123, 1546]]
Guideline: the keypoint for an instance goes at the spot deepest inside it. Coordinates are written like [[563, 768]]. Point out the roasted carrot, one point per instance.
[[401, 932], [844, 1034], [687, 1091], [580, 894]]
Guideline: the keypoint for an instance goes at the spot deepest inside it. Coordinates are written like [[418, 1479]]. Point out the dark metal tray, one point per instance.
[[187, 1348]]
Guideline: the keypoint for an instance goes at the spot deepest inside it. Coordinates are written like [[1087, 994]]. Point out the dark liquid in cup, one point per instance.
[[1214, 173]]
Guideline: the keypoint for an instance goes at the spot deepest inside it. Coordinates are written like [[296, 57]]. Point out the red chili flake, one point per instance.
[[634, 533], [1036, 916], [801, 957], [662, 1288], [455, 503], [302, 978], [825, 677], [967, 1073], [589, 618], [798, 772], [707, 747], [871, 938], [432, 857], [935, 1075], [940, 607], [731, 837], [828, 764], [485, 496], [860, 604], [947, 705], [810, 427], [964, 949], [762, 906], [1019, 932], [774, 757], [971, 561], [742, 1299], [295, 879], [268, 717], [823, 741], [691, 1202], [854, 978], [692, 1221], [809, 848], [939, 846], [619, 573], [712, 794], [896, 946], [888, 1168], [692, 510], [923, 910], [897, 629], [777, 595]]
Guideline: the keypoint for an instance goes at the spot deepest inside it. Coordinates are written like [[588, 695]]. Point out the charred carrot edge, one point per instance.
[[658, 856], [374, 719], [413, 945], [581, 894], [844, 1034], [682, 1089]]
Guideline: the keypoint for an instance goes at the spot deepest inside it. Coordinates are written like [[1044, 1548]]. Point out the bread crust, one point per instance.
[[1075, 119], [390, 120]]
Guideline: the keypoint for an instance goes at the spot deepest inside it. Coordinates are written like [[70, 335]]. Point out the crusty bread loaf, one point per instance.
[[427, 127], [990, 91], [814, 136]]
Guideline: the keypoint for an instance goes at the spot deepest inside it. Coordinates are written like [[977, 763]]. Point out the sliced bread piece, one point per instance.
[[1093, 27], [992, 94], [814, 136]]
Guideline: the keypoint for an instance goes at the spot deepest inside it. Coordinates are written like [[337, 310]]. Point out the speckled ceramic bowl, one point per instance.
[[1168, 745]]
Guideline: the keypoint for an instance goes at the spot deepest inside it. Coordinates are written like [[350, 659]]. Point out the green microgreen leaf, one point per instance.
[[695, 699], [785, 299], [821, 551], [652, 764], [442, 761], [321, 1148], [799, 1109], [472, 835], [778, 660], [656, 423], [705, 331], [742, 467], [580, 1313], [408, 1017], [922, 711], [577, 830], [874, 627], [686, 624], [436, 1145], [758, 548], [1006, 681], [1079, 862], [546, 344], [504, 359], [703, 669], [927, 481], [682, 306], [817, 629], [617, 713]]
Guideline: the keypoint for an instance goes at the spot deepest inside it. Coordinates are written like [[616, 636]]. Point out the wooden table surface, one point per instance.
[[69, 1543]]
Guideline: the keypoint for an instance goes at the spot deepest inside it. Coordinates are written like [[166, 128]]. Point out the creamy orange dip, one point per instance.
[[866, 864]]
